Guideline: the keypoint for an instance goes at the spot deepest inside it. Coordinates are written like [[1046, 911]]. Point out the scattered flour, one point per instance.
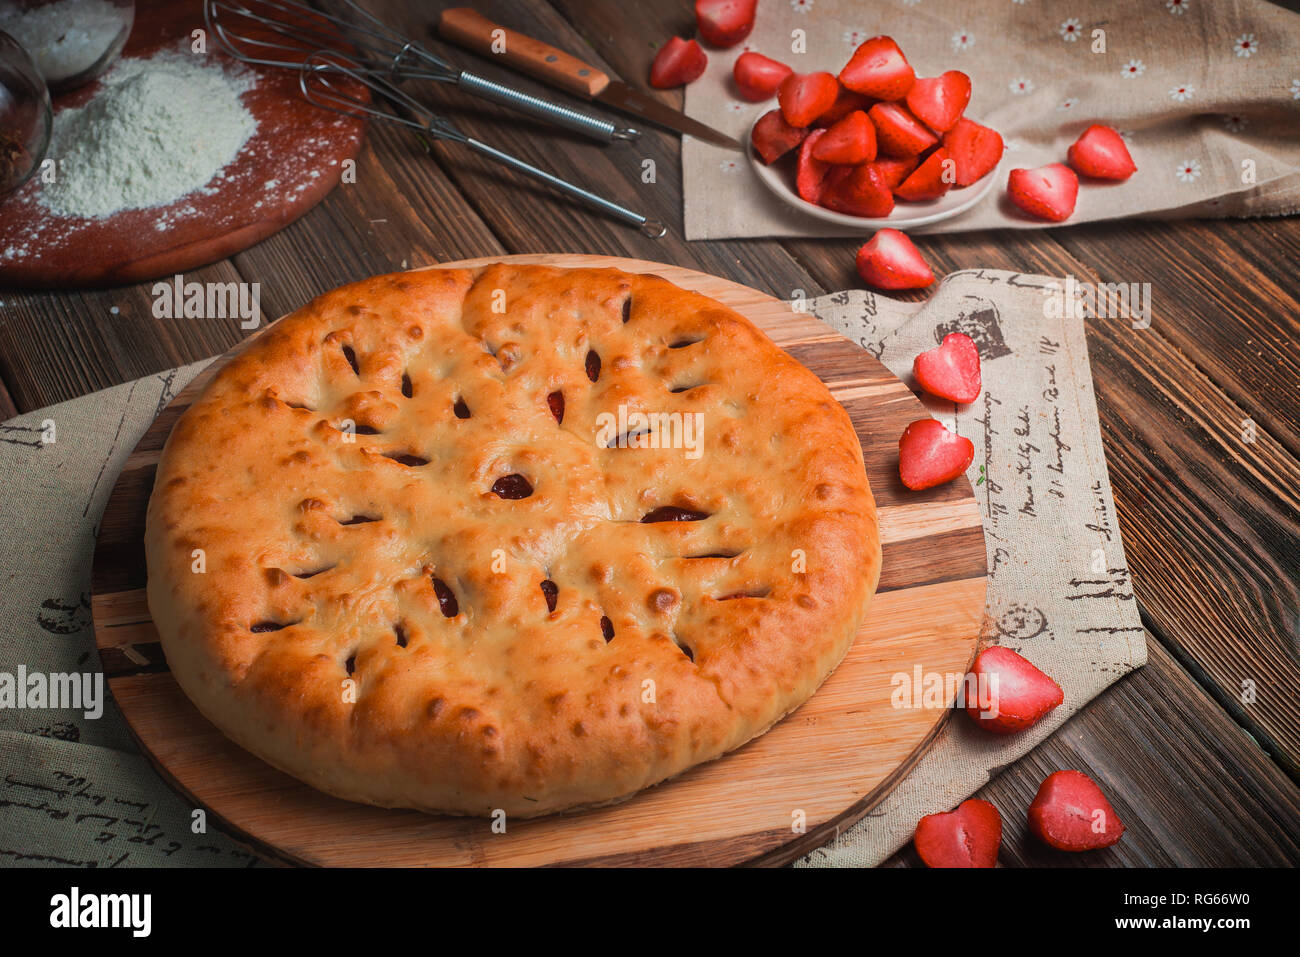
[[158, 129], [66, 37]]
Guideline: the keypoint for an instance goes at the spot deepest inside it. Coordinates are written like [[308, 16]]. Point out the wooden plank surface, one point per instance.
[[833, 760], [1213, 557]]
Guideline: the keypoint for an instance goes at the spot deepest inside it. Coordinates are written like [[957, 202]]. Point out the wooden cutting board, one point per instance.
[[288, 166], [833, 759]]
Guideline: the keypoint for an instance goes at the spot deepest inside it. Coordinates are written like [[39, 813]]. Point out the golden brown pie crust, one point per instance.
[[373, 618]]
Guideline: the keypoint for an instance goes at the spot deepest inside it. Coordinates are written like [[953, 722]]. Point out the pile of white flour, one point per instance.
[[65, 37], [158, 129]]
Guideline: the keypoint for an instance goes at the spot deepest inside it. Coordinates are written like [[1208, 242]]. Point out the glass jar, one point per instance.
[[70, 41], [25, 119]]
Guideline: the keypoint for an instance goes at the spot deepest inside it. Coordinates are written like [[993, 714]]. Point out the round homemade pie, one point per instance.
[[515, 538]]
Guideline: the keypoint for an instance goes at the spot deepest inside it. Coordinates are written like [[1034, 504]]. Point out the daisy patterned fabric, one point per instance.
[[1205, 92]]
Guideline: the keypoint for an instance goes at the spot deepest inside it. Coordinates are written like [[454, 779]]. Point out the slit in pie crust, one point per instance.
[[426, 583]]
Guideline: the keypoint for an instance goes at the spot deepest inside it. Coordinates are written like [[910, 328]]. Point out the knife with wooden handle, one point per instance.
[[470, 29]]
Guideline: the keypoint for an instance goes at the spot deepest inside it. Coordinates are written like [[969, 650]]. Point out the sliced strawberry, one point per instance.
[[860, 191], [758, 77], [967, 837], [939, 101], [1071, 814], [677, 63], [975, 150], [889, 260], [929, 455], [849, 142], [931, 180], [1100, 153], [951, 370], [1010, 693], [810, 173], [773, 137], [724, 23], [846, 101], [895, 169], [878, 69], [898, 132], [1048, 192], [806, 96]]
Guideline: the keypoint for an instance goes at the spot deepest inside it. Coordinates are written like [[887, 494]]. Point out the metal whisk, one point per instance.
[[282, 33], [323, 78]]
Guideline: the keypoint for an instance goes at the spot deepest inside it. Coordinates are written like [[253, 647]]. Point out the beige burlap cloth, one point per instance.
[[1206, 92], [75, 791]]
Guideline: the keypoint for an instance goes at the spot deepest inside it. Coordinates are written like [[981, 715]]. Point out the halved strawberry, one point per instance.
[[929, 181], [861, 191], [878, 69], [938, 101], [889, 260], [929, 455], [967, 837], [1101, 153], [677, 63], [898, 132], [724, 23], [895, 169], [806, 96], [810, 173], [951, 370], [773, 137], [975, 150], [1016, 693], [1048, 192], [849, 142], [758, 77], [1071, 814], [846, 101]]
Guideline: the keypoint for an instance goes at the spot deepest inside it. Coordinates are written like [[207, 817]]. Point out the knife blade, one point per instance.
[[473, 31]]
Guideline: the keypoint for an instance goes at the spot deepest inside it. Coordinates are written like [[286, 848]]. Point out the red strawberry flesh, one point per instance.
[[1070, 813], [889, 260], [879, 70], [967, 837], [1101, 154], [1048, 192], [951, 370], [930, 455], [939, 101], [1010, 694], [758, 77], [805, 96], [677, 63], [724, 23]]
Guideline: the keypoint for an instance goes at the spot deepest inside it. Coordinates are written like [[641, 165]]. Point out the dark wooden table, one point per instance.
[[1209, 517]]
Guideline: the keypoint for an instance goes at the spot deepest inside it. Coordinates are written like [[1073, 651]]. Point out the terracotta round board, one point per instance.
[[833, 759], [290, 163]]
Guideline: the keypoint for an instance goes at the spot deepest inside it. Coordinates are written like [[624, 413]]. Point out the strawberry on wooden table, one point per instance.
[[758, 77], [930, 455], [939, 101], [849, 142], [724, 23], [805, 96], [898, 132], [879, 70], [975, 150], [1070, 813], [951, 370], [1017, 694], [857, 191], [677, 63], [967, 837], [889, 260], [1101, 153], [929, 180], [773, 137], [1048, 192], [810, 172]]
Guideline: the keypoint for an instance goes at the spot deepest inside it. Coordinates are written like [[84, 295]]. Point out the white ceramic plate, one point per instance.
[[779, 178]]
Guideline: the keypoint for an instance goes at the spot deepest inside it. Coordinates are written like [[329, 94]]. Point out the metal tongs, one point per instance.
[[280, 33], [319, 78]]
